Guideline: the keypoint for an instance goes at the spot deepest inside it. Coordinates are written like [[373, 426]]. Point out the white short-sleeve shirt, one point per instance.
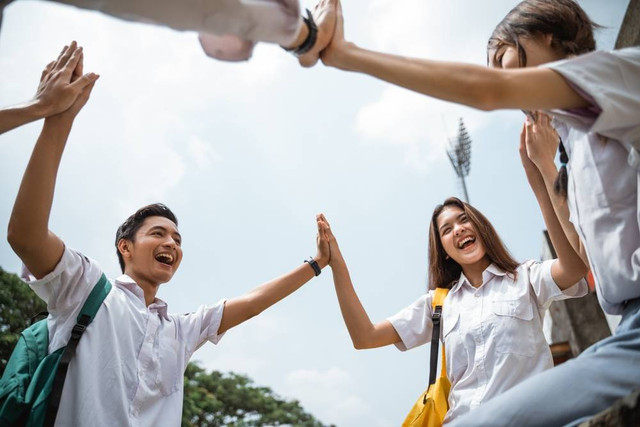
[[492, 334], [602, 143], [129, 365]]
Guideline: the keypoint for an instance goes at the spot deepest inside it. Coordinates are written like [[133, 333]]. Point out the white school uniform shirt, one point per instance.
[[602, 143], [492, 334], [229, 29], [129, 366]]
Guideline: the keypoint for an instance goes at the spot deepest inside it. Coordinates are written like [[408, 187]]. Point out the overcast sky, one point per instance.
[[246, 154]]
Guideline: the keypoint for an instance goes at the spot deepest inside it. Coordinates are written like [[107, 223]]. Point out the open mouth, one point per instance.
[[165, 258], [466, 242]]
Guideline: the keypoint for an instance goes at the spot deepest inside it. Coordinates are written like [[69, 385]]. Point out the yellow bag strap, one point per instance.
[[436, 305]]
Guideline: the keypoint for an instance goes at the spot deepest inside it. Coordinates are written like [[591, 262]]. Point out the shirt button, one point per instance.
[[477, 294]]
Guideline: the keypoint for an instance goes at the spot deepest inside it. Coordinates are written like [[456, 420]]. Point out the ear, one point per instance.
[[124, 247]]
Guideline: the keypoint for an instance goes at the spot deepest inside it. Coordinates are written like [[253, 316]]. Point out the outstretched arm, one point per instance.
[[28, 231], [55, 93], [240, 309], [364, 334], [569, 268], [473, 85]]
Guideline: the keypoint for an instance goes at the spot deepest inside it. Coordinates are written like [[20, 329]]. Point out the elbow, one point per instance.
[[15, 239]]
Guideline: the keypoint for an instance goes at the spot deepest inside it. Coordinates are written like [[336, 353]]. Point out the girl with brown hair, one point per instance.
[[492, 316], [542, 57]]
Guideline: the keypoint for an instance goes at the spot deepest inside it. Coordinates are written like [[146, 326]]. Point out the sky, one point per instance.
[[247, 153]]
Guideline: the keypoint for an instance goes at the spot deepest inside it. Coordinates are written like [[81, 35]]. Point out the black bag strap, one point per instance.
[[86, 315], [435, 343]]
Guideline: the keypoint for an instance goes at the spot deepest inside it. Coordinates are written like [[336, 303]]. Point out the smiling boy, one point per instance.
[[129, 366]]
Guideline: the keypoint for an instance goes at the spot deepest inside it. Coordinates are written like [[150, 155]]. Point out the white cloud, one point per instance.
[[332, 396], [202, 153]]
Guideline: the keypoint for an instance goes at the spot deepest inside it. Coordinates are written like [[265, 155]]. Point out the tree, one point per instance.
[[217, 399], [18, 304]]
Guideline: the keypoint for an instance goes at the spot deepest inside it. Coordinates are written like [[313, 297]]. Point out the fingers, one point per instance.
[[72, 62], [47, 71], [84, 81], [64, 56]]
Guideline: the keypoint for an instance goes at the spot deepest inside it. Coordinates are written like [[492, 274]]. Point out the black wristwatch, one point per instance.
[[310, 41], [316, 268]]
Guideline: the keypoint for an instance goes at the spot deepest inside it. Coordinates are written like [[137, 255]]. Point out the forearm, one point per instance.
[[13, 117], [569, 267], [28, 231], [364, 334], [468, 84], [240, 309], [549, 173]]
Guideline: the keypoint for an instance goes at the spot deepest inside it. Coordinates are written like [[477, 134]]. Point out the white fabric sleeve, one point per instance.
[[69, 284], [202, 325], [610, 81], [413, 323], [545, 288]]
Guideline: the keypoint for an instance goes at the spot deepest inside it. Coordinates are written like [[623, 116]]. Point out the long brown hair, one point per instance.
[[568, 24], [444, 271]]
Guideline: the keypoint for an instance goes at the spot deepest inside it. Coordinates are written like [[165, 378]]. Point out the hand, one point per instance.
[[62, 83], [541, 141], [531, 170], [324, 253], [331, 54], [334, 250], [324, 14]]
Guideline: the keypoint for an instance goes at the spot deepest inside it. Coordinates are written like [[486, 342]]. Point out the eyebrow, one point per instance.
[[160, 227]]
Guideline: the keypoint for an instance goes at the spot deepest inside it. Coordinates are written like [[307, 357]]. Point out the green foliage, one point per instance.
[[217, 399], [210, 399], [18, 303]]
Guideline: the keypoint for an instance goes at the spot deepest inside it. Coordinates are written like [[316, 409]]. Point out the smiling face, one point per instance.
[[459, 237], [155, 252]]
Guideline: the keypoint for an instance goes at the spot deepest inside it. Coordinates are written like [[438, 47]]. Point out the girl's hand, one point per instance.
[[335, 254], [541, 141], [332, 54], [323, 255]]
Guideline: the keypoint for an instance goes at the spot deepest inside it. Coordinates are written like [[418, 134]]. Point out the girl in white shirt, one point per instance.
[[539, 61], [492, 316]]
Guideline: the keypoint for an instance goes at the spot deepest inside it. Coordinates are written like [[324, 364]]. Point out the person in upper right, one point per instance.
[[542, 57]]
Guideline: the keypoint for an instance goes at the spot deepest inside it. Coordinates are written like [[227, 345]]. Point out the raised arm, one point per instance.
[[569, 268], [28, 231], [55, 93], [364, 334], [473, 85], [242, 308]]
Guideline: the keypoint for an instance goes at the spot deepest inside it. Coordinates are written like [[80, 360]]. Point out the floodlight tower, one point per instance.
[[459, 152]]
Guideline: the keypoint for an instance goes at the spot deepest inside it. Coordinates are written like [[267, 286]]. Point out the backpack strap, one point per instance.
[[86, 315], [436, 304]]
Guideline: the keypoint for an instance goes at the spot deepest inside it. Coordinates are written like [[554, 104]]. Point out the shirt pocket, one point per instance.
[[171, 368], [513, 327], [456, 353]]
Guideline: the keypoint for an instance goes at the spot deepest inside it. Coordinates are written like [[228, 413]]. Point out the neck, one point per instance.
[[149, 287], [473, 272]]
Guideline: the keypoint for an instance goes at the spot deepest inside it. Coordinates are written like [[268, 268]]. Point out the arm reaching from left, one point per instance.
[[28, 232], [242, 308], [56, 91]]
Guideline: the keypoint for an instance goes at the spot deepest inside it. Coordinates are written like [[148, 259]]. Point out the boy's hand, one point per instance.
[[324, 254], [334, 250]]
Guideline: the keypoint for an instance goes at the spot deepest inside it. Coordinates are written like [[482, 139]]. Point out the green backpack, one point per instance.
[[31, 386]]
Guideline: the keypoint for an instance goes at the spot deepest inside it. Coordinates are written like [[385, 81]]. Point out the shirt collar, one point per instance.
[[157, 305], [491, 271]]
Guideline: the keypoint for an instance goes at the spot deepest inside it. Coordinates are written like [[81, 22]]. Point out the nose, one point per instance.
[[458, 229]]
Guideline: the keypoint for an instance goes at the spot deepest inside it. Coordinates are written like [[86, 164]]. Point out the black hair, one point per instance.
[[560, 184], [129, 228]]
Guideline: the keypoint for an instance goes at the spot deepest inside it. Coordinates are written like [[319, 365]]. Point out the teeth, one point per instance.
[[465, 240], [165, 258]]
